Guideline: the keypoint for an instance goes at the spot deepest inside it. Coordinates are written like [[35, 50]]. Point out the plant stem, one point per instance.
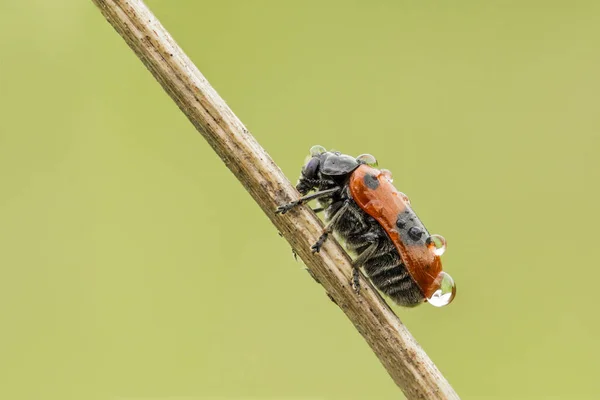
[[407, 363]]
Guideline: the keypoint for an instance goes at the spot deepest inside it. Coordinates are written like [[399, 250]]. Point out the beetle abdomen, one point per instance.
[[393, 279], [384, 266]]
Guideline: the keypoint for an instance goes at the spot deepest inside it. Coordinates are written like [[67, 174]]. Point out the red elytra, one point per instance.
[[385, 203]]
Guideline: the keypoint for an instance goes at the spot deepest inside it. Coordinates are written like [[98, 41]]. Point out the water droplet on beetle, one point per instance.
[[387, 174], [404, 197], [444, 290], [317, 150], [367, 159], [375, 206], [437, 244]]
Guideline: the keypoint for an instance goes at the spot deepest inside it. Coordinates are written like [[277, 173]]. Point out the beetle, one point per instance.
[[377, 223]]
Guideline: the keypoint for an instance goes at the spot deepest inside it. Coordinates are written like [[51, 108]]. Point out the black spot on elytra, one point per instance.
[[401, 221], [415, 233], [405, 218], [371, 181]]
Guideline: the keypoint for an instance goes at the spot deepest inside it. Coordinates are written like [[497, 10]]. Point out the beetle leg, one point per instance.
[[319, 243], [365, 255], [358, 262], [330, 227], [287, 207], [358, 217]]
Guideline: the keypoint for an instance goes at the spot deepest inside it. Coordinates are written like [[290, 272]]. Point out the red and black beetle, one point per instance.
[[376, 222]]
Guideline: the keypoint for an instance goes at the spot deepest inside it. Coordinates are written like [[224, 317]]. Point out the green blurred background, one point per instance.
[[134, 266]]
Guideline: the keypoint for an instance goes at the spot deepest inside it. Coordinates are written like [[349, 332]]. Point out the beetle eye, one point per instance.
[[317, 150], [367, 159], [311, 167]]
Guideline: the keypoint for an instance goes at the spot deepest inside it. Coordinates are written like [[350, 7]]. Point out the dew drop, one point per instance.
[[375, 206], [317, 150], [404, 197], [444, 290], [367, 159], [387, 174], [437, 244]]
